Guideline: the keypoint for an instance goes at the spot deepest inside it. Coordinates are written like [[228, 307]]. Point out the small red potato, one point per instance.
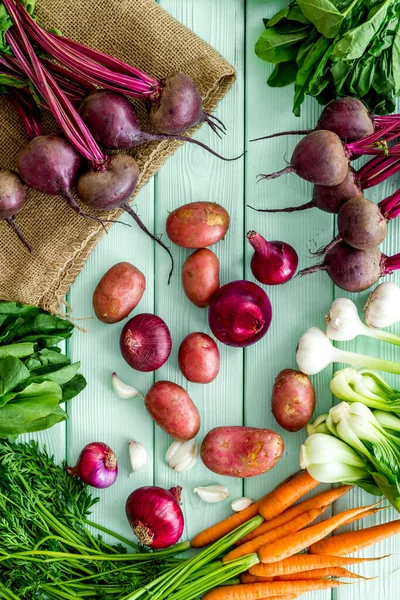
[[198, 358], [293, 399], [173, 410], [197, 224], [200, 277], [241, 451], [118, 292]]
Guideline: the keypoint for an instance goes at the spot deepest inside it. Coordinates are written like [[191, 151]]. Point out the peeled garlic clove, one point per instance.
[[241, 503], [122, 390], [137, 455], [212, 493], [182, 456]]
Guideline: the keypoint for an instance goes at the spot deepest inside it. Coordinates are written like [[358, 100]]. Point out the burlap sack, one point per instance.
[[138, 32]]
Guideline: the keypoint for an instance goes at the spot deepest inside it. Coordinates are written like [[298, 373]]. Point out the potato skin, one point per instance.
[[197, 224], [241, 451], [173, 410], [198, 358], [200, 277], [293, 399], [118, 292]]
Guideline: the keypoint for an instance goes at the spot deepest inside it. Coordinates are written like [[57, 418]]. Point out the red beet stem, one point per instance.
[[376, 143], [310, 204], [390, 207], [26, 110], [378, 170], [390, 264]]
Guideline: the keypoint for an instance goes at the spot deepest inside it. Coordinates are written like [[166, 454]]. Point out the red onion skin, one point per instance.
[[97, 465], [272, 263], [145, 342], [155, 516], [240, 313]]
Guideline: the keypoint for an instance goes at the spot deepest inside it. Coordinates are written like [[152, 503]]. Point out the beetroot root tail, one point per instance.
[[183, 138], [143, 227], [281, 133], [288, 169], [19, 233], [324, 249], [309, 270], [289, 209], [72, 203], [216, 124]]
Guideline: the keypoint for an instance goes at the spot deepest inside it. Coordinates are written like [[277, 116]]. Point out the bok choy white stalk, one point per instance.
[[315, 352], [343, 324], [365, 386]]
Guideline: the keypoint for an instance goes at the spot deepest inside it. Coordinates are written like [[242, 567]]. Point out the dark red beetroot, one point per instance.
[[355, 270], [111, 119], [319, 158], [12, 198]]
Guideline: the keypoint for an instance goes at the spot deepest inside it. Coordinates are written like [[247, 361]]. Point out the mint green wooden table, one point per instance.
[[241, 392]]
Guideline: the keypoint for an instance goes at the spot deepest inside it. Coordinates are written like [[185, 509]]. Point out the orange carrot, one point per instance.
[[294, 511], [217, 531], [346, 543], [247, 578], [319, 574], [260, 590], [286, 495], [367, 513], [305, 562], [288, 528], [291, 544]]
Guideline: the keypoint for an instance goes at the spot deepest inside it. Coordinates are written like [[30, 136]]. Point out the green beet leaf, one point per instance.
[[283, 74], [73, 387], [324, 15], [57, 416], [20, 350], [276, 48], [12, 374]]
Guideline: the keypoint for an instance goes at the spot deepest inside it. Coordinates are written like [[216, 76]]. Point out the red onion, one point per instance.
[[240, 313], [272, 263], [145, 342], [97, 465], [155, 516]]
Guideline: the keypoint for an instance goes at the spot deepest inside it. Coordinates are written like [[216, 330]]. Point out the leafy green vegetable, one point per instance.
[[283, 74], [323, 14], [276, 47]]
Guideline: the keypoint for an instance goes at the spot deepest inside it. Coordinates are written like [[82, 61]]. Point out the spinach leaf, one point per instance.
[[20, 350], [295, 14], [283, 74], [15, 308], [282, 14], [323, 15], [73, 388], [314, 63], [57, 416], [12, 373], [46, 357], [275, 47], [60, 376], [354, 43]]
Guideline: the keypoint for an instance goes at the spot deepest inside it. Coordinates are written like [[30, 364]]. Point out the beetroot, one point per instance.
[[355, 270], [111, 119], [319, 158], [12, 198]]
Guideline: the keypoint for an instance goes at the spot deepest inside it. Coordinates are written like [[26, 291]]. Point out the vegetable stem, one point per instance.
[[362, 360]]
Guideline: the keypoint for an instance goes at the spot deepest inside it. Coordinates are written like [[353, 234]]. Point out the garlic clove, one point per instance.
[[212, 493], [123, 390], [137, 455], [241, 503], [182, 456]]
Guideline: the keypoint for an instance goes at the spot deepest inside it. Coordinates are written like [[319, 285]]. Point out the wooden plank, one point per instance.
[[97, 414], [194, 175], [300, 303]]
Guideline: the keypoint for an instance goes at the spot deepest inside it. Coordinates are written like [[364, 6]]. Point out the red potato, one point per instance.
[[173, 410], [293, 399], [118, 292], [197, 224], [241, 451], [198, 358], [200, 277]]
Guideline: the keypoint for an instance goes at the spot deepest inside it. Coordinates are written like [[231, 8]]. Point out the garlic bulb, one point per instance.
[[383, 306], [212, 493], [182, 456], [122, 390], [241, 503], [137, 455]]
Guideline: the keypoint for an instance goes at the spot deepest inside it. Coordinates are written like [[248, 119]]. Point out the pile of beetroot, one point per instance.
[[86, 92], [345, 130]]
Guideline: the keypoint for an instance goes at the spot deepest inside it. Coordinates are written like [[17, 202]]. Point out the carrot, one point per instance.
[[305, 562], [319, 574], [286, 495], [346, 543], [260, 590], [291, 544], [217, 531], [288, 528], [367, 513], [247, 578], [294, 511]]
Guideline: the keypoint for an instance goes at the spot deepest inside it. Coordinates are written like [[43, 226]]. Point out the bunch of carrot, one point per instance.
[[283, 572]]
